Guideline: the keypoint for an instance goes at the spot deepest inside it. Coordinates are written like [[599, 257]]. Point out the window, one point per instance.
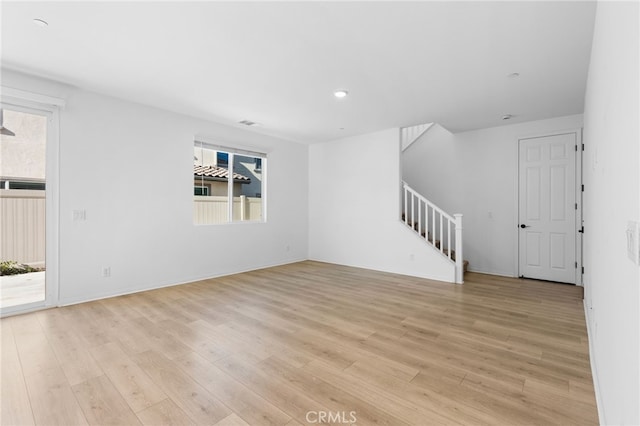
[[200, 190], [222, 159], [17, 184], [223, 197]]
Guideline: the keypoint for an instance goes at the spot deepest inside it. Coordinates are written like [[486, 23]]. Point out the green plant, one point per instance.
[[11, 267]]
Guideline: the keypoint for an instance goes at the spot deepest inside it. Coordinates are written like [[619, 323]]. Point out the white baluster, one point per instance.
[[440, 235], [449, 237], [459, 258], [406, 212], [419, 217], [433, 226], [413, 211]]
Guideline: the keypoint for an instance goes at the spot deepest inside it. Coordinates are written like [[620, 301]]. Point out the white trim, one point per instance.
[[236, 223], [594, 368], [230, 165], [216, 144], [516, 198], [188, 281], [52, 226], [8, 311], [498, 274], [579, 216], [551, 133], [32, 97], [264, 195], [52, 201], [578, 277]]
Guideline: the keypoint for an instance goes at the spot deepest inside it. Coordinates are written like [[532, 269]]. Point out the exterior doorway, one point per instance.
[[26, 208]]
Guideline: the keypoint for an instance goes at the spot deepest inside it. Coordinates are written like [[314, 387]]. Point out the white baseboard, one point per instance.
[[594, 368], [70, 302], [499, 274]]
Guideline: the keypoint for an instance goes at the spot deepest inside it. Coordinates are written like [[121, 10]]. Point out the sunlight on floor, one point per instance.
[[21, 289]]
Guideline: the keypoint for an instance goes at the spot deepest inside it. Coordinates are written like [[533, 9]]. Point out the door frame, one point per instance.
[[578, 280], [49, 107]]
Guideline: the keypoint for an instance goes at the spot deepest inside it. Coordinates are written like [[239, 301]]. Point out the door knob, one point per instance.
[[524, 226]]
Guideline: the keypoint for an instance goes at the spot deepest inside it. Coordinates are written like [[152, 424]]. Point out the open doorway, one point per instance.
[[23, 208]]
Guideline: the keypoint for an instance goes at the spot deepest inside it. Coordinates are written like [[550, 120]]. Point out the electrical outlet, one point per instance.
[[106, 271]]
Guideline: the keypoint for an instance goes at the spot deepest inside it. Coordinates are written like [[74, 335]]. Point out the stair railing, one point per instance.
[[438, 228], [409, 135]]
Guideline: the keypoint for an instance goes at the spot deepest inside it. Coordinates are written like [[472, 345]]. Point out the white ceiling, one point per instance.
[[278, 63]]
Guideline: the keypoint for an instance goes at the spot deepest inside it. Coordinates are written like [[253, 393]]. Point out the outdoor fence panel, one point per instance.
[[22, 226]]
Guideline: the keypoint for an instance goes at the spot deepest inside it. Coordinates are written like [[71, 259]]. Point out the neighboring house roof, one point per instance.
[[218, 173]]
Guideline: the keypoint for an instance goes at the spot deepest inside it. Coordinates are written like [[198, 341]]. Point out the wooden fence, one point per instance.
[[22, 226], [208, 210]]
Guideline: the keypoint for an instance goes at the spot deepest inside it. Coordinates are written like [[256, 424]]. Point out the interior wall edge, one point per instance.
[[594, 367]]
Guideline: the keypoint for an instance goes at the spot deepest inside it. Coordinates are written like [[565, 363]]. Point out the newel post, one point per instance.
[[459, 257]]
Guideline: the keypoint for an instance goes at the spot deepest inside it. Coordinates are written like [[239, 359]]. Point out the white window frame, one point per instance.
[[48, 106], [212, 144]]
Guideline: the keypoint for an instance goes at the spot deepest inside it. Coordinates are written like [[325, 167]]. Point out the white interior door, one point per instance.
[[547, 207]]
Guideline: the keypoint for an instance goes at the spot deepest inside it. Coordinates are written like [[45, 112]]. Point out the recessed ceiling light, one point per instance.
[[340, 94], [513, 75], [507, 117], [41, 23]]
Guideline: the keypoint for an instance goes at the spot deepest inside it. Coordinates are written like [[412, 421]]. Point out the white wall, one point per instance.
[[611, 199], [131, 168], [354, 214], [476, 173]]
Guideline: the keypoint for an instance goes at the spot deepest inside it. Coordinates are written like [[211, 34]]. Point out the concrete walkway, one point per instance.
[[21, 289]]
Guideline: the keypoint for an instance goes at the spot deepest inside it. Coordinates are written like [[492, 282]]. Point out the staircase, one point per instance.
[[437, 228], [409, 135]]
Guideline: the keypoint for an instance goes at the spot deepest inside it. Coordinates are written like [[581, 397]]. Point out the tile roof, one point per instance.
[[221, 173]]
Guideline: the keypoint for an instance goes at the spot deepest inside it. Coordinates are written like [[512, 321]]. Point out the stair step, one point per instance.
[[427, 236], [453, 253], [465, 263]]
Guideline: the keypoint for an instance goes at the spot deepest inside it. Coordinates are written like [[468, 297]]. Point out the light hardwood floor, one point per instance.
[[283, 345]]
